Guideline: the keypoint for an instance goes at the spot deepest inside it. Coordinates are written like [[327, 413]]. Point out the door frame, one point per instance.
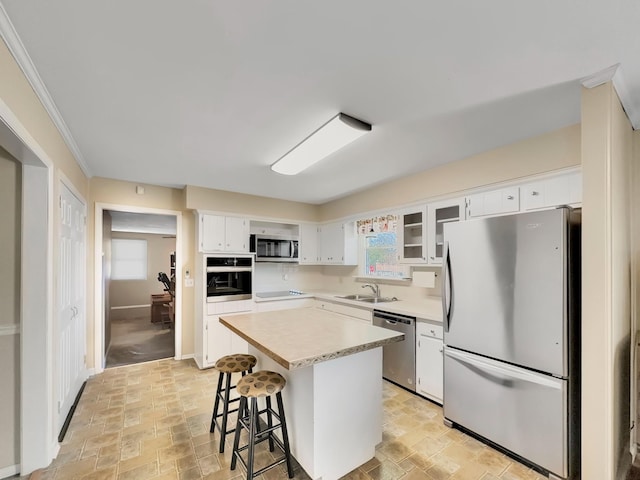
[[100, 359], [38, 438]]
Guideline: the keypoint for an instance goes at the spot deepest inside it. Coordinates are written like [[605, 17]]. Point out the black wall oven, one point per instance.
[[229, 278]]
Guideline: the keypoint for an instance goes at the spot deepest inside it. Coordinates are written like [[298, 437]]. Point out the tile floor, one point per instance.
[[151, 421]]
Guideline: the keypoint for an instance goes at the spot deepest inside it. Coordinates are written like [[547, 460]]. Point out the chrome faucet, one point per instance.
[[374, 287]]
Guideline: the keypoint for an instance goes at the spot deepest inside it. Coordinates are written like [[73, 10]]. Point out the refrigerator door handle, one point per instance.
[[446, 301], [504, 370]]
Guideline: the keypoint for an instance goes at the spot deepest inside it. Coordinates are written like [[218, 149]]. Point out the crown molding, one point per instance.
[[614, 74], [19, 52], [598, 78]]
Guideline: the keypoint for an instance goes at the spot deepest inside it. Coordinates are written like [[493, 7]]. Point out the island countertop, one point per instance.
[[301, 337]]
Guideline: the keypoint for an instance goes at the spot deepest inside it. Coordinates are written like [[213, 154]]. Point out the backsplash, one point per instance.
[[339, 279], [270, 277]]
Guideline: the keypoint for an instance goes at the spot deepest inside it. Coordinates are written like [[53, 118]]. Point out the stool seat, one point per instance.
[[260, 384], [236, 363]]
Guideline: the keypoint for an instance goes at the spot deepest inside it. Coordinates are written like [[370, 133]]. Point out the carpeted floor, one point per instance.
[[138, 340]]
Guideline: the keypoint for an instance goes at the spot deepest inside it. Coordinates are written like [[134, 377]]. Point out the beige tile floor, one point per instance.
[[151, 421]]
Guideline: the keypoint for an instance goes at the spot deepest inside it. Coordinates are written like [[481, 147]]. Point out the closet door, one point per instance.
[[71, 368]]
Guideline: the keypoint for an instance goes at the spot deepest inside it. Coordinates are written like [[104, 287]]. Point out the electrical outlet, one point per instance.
[[188, 282]]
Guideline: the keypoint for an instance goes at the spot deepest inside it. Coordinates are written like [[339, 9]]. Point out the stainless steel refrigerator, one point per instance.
[[511, 287]]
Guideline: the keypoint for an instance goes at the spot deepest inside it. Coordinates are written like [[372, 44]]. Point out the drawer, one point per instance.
[[428, 330], [217, 308]]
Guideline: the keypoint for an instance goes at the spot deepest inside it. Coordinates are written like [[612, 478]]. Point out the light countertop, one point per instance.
[[429, 308], [301, 337]]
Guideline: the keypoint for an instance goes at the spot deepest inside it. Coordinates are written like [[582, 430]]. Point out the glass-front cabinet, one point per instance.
[[412, 238], [439, 214]]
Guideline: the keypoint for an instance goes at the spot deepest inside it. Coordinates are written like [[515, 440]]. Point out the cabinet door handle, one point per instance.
[[510, 197], [535, 194]]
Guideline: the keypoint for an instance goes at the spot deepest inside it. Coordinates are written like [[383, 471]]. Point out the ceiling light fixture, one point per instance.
[[341, 130]]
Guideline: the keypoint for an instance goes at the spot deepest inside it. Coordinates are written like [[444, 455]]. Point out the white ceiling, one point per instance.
[[211, 93]]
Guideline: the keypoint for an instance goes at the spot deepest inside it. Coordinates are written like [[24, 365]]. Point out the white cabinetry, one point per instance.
[[437, 215], [429, 360], [364, 314], [412, 236], [338, 244], [223, 234], [212, 339], [494, 202], [308, 245], [551, 192]]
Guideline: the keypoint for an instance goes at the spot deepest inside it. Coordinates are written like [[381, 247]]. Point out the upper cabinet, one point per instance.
[[551, 192], [223, 234], [308, 246], [495, 202], [338, 243], [412, 236], [438, 214]]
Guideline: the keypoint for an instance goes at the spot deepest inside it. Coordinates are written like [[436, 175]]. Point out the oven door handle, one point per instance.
[[227, 269]]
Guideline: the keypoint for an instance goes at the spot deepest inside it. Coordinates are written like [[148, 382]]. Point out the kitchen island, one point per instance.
[[333, 368]]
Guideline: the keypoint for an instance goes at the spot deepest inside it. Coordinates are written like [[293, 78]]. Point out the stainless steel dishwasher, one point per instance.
[[399, 358]]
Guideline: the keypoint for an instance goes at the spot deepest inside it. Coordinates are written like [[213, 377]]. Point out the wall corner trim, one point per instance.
[[614, 74]]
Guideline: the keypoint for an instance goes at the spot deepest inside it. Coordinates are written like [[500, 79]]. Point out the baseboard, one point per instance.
[[9, 471], [187, 356], [127, 307]]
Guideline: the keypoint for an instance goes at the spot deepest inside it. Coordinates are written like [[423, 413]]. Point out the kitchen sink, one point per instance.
[[379, 299], [368, 298], [364, 298]]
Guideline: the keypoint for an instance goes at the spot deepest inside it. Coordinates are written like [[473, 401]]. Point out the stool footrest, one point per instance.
[[261, 438], [262, 470]]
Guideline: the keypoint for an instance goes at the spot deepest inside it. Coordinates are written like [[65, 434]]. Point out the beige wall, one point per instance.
[[138, 292], [197, 198], [606, 299], [10, 235], [553, 151]]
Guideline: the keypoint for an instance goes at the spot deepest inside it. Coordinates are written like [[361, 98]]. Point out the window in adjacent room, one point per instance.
[[128, 259], [379, 249]]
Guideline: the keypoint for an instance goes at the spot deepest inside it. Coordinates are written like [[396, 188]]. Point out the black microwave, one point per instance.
[[274, 248]]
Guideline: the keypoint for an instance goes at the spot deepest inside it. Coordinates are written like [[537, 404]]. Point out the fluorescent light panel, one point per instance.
[[341, 130]]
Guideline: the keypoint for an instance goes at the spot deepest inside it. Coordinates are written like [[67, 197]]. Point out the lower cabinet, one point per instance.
[[214, 340], [429, 360]]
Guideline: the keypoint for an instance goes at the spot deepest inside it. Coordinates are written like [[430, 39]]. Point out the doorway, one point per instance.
[[138, 297], [139, 292]]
